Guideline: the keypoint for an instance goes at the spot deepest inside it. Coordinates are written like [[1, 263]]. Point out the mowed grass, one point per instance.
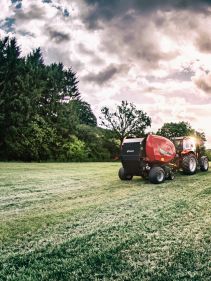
[[78, 221]]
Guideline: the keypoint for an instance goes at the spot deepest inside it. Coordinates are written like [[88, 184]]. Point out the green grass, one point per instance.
[[80, 222]]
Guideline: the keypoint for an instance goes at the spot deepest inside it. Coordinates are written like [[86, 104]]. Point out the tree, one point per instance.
[[13, 103], [200, 136], [59, 85], [35, 142], [42, 115], [171, 130], [208, 154], [84, 112], [126, 121], [35, 100], [101, 144]]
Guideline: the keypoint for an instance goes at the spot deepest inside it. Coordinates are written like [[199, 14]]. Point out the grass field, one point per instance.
[[80, 222]]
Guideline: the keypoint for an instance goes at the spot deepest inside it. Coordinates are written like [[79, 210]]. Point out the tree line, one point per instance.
[[42, 114], [44, 118]]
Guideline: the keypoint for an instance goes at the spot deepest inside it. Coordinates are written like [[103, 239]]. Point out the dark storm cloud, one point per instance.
[[57, 36], [105, 75], [35, 12], [108, 9], [203, 42]]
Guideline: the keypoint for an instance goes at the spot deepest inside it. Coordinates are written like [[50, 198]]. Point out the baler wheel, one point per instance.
[[204, 164], [157, 175], [189, 164], [123, 176]]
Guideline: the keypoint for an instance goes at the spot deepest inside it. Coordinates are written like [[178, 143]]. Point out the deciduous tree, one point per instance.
[[171, 130], [126, 120]]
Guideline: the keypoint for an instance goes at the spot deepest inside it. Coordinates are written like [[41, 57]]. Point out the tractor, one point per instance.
[[189, 155], [150, 157]]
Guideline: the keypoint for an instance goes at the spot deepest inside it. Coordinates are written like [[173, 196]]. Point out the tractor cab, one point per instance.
[[185, 144], [190, 154]]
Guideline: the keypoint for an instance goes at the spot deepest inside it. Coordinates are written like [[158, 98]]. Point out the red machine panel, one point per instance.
[[159, 149]]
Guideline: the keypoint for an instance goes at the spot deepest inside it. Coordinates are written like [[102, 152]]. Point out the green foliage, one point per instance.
[[34, 142], [126, 120], [84, 113], [208, 153], [40, 107], [111, 143], [73, 150], [171, 130], [100, 146]]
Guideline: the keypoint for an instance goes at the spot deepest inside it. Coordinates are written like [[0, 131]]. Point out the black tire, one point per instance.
[[123, 176], [189, 164], [157, 175], [204, 164]]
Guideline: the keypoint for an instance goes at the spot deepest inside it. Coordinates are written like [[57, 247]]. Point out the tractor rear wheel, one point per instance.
[[123, 176], [157, 175], [189, 164], [204, 164]]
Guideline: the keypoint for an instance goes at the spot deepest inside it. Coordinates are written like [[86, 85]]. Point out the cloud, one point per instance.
[[8, 24], [136, 39], [84, 50], [33, 12], [179, 76], [102, 10], [203, 82], [203, 42], [57, 36], [106, 74], [6, 9]]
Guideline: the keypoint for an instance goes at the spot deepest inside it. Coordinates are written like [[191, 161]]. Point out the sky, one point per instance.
[[156, 54]]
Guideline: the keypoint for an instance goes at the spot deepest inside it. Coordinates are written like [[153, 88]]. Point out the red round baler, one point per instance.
[[150, 157]]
